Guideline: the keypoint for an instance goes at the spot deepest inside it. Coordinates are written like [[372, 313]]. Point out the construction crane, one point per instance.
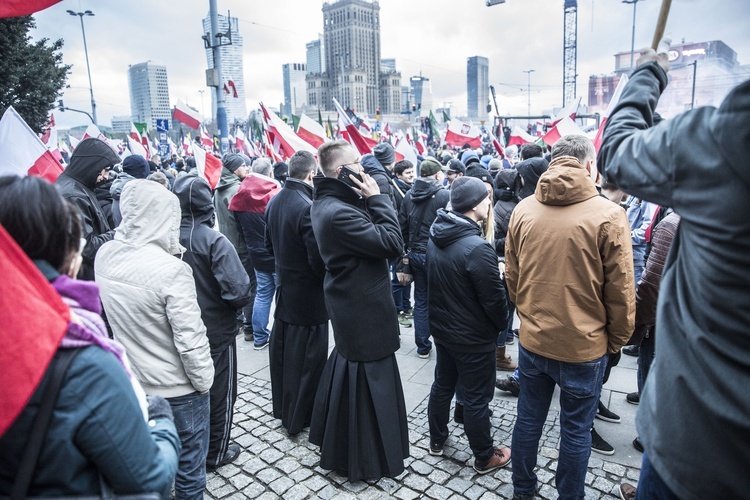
[[570, 47]]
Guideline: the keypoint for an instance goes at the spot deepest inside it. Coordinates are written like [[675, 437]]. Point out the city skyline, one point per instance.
[[149, 93], [438, 46]]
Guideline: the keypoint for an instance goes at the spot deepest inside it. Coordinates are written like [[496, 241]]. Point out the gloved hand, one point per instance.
[[158, 407]]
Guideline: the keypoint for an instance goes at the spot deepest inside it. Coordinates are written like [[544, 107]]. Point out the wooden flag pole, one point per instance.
[[661, 23]]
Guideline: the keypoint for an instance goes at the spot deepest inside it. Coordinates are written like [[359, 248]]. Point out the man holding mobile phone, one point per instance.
[[357, 231]]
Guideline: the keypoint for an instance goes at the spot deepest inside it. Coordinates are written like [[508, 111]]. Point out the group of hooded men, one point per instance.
[[339, 247]]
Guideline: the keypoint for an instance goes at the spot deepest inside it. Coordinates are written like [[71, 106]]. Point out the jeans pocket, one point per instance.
[[581, 380], [183, 415]]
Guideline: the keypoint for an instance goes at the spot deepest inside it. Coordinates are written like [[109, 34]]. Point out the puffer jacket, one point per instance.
[[425, 197], [221, 282], [468, 304], [569, 267], [149, 295]]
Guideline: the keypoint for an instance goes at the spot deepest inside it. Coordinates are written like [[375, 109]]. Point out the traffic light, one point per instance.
[[413, 107]]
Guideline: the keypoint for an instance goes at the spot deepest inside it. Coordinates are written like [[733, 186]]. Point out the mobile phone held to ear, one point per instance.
[[344, 176]]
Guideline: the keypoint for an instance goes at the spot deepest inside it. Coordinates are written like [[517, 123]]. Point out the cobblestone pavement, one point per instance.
[[273, 465]]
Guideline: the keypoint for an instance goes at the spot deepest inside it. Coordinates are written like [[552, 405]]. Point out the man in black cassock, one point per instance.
[[299, 341], [359, 417]]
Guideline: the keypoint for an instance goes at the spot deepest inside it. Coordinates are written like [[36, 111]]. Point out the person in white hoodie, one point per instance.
[[151, 302]]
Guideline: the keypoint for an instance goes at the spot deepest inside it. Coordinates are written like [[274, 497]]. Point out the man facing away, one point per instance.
[[467, 311], [359, 417], [299, 341], [150, 298], [569, 269]]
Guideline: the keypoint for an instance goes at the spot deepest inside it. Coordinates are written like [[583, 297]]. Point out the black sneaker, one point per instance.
[[233, 451], [603, 413], [637, 445], [261, 346], [436, 449], [633, 398], [508, 384], [630, 350], [599, 445], [510, 339]]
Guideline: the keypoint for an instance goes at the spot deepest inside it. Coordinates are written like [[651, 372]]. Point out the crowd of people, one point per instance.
[[146, 278]]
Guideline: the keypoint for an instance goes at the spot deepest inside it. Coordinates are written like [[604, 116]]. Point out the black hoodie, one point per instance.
[[221, 282], [418, 211], [530, 170], [377, 171], [76, 184], [468, 305]]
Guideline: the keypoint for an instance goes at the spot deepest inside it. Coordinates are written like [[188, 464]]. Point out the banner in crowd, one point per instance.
[[22, 151], [183, 114], [460, 133]]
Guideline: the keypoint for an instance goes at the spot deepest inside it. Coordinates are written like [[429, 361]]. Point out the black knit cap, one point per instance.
[[233, 161], [385, 153], [467, 193], [479, 172]]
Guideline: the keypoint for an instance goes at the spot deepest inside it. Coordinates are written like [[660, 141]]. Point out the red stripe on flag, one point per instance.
[[17, 8], [47, 167]]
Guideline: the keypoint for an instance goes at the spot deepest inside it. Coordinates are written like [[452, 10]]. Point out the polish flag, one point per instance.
[[184, 114], [22, 151], [18, 8], [311, 131], [459, 133], [134, 133], [405, 151], [564, 127], [136, 147], [496, 144], [208, 166], [230, 84], [49, 138], [239, 140], [93, 131], [206, 139], [568, 111], [73, 142], [518, 136], [387, 131], [288, 142], [612, 103], [353, 135]]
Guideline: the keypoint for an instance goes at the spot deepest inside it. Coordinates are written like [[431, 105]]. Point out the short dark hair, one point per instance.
[[300, 164], [531, 151], [44, 224], [328, 156], [402, 165]]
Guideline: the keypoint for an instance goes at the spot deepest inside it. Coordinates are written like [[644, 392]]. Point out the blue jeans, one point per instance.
[[477, 373], [421, 309], [191, 418], [401, 293], [650, 485], [580, 387], [262, 305]]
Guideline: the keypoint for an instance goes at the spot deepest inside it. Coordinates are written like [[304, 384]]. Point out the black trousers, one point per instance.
[[223, 395]]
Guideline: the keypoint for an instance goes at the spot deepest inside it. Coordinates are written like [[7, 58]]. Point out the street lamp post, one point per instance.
[[528, 90], [86, 51], [203, 110], [632, 37]]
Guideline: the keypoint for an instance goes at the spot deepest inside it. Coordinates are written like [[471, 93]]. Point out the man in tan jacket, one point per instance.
[[569, 268]]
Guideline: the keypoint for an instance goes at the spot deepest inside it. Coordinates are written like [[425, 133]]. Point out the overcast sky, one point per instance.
[[433, 37]]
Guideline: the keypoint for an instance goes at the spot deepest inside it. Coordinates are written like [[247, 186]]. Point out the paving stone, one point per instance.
[[634, 474], [421, 468], [595, 462], [269, 495], [281, 485], [406, 493], [505, 491], [448, 466], [254, 465], [215, 482], [489, 496], [315, 483], [616, 469], [548, 492], [223, 492], [300, 475], [544, 476], [267, 475], [228, 470], [255, 490], [387, 484], [475, 492], [271, 455], [459, 485], [438, 476], [240, 481], [603, 485], [355, 486], [297, 492], [488, 482], [417, 482], [439, 492]]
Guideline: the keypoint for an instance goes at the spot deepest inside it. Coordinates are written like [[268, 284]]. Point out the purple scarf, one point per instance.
[[83, 299]]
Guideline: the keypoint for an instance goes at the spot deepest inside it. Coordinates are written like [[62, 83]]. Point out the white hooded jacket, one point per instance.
[[149, 295]]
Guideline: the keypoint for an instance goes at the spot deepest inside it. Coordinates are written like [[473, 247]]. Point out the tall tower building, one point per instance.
[[351, 36], [421, 92], [149, 93], [295, 89], [232, 70], [477, 86], [316, 62]]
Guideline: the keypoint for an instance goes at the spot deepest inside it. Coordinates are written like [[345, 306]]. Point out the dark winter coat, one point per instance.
[[299, 268], [221, 282], [249, 207], [425, 197], [104, 197], [530, 170], [507, 199], [468, 305], [696, 163], [377, 171], [76, 184], [356, 237], [400, 188]]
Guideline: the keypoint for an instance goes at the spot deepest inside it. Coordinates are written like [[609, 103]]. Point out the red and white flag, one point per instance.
[[459, 133], [353, 135], [239, 140], [496, 144], [185, 114], [136, 147], [405, 151], [568, 111], [206, 140], [49, 138], [564, 127], [519, 136], [73, 142], [208, 166], [612, 103], [18, 8], [93, 131], [282, 136], [22, 151], [230, 85], [311, 131], [134, 133]]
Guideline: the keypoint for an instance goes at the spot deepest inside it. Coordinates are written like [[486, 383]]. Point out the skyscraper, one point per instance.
[[421, 92], [295, 88], [316, 62], [232, 70], [351, 35], [477, 86], [149, 93]]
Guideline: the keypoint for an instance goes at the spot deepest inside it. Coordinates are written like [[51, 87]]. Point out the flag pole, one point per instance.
[[661, 23]]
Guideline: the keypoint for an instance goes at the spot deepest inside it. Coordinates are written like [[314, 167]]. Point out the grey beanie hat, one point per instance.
[[384, 153], [466, 193], [233, 161]]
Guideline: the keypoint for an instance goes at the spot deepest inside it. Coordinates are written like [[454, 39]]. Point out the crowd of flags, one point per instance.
[[26, 153]]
